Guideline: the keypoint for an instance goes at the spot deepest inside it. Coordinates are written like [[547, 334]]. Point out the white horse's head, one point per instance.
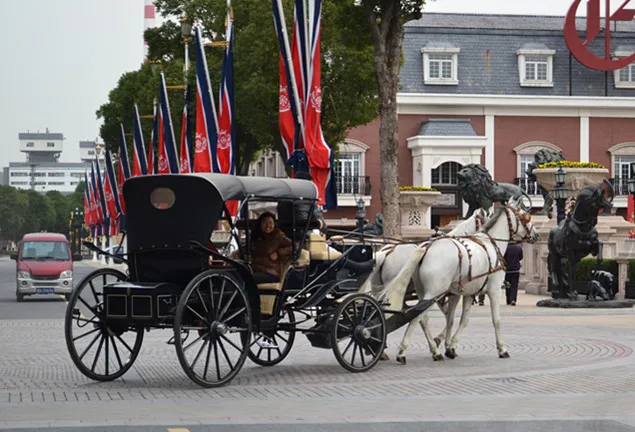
[[520, 226]]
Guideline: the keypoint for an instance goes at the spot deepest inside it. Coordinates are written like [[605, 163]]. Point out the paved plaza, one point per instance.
[[573, 369]]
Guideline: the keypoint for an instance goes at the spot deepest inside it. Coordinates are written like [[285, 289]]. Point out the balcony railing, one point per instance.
[[359, 185], [620, 185], [531, 188]]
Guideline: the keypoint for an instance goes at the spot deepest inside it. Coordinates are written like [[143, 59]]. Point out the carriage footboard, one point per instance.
[[141, 303]]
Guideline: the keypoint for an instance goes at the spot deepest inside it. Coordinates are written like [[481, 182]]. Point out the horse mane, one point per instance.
[[492, 221]]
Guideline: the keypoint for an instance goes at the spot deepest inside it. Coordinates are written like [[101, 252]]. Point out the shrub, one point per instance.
[[417, 189], [630, 271], [585, 267], [570, 164]]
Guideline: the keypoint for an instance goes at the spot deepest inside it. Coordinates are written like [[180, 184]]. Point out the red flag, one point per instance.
[[185, 164], [87, 207], [206, 121]]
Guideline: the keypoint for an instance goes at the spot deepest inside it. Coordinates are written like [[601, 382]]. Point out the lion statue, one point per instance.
[[479, 190], [540, 157]]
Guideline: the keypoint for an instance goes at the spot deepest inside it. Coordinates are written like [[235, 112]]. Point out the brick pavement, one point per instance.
[[565, 364]]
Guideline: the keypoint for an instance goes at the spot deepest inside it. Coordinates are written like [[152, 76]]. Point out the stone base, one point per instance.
[[584, 304]]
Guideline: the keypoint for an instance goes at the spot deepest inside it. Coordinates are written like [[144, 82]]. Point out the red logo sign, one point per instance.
[[580, 50]]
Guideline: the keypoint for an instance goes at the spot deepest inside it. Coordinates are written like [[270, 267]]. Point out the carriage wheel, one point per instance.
[[102, 350], [358, 336], [215, 307], [271, 349]]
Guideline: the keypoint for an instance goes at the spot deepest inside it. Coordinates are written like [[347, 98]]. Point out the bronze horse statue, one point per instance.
[[576, 237]]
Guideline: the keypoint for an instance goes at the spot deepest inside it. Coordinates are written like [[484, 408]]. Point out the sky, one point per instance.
[[62, 57]]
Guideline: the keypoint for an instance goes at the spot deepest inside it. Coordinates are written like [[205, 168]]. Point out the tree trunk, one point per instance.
[[388, 38]]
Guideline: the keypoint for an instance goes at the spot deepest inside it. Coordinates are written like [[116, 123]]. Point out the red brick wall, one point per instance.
[[409, 126], [510, 132], [604, 133]]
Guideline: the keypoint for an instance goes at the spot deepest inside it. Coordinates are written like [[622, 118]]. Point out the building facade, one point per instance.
[[42, 170], [493, 90]]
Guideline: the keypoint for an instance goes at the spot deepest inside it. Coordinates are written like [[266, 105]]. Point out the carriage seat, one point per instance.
[[319, 249], [267, 301]]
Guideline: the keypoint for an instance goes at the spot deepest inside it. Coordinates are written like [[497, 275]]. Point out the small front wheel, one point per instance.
[[358, 335]]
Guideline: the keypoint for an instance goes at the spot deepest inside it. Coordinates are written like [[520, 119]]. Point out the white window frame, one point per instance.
[[353, 146], [427, 79], [522, 57], [616, 74]]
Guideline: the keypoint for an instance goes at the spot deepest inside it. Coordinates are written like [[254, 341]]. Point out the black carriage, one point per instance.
[[177, 279]]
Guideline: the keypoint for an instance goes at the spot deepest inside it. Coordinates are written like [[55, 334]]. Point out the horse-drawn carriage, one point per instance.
[[219, 316]]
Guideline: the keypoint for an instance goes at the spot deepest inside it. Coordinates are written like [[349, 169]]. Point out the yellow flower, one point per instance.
[[570, 164], [416, 188]]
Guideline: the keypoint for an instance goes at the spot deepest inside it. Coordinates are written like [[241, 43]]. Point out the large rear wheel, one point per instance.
[[212, 328], [102, 349]]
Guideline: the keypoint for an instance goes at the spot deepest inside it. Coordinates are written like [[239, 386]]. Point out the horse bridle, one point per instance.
[[521, 218]]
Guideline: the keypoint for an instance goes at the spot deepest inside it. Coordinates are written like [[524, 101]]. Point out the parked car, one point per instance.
[[44, 265]]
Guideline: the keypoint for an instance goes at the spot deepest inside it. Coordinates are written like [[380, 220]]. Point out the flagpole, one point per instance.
[[287, 51]]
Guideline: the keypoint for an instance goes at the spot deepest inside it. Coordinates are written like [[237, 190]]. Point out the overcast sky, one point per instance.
[[60, 58]]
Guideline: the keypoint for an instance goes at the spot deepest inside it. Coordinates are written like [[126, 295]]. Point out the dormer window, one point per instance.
[[535, 65], [625, 77], [440, 64]]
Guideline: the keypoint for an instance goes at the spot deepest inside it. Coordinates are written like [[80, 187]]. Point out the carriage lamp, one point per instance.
[[361, 212]]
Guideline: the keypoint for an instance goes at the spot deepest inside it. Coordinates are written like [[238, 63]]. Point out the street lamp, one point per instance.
[[186, 31], [560, 193], [360, 213]]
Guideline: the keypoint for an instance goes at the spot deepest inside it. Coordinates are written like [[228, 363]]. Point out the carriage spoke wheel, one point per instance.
[[214, 307], [358, 336], [102, 349], [271, 348]]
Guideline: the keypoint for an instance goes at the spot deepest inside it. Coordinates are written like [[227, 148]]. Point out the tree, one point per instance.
[[386, 19], [13, 208], [40, 214], [62, 209], [348, 83]]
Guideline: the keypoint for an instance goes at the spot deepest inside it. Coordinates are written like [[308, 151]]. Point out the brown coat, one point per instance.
[[267, 244]]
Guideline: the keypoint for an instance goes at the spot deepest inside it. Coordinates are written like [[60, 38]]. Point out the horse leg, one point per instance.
[[405, 341], [443, 306], [449, 324], [465, 319], [572, 293], [494, 295]]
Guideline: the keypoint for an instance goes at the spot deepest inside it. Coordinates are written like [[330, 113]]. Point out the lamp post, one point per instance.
[[360, 214], [104, 228], [560, 193], [186, 31]]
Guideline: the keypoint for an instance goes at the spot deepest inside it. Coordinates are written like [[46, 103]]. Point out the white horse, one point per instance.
[[390, 263], [467, 266]]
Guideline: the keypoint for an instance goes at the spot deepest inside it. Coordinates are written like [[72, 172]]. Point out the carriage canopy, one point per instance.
[[171, 209]]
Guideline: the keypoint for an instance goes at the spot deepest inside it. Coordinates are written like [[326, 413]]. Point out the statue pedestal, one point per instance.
[[625, 253], [414, 207]]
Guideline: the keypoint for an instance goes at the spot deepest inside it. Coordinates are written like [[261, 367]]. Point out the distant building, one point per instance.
[[42, 170]]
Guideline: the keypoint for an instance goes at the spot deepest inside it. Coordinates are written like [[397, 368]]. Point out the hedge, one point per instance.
[[585, 267]]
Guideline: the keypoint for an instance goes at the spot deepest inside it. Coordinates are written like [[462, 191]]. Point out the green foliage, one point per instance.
[[24, 211], [586, 266], [349, 86], [631, 271]]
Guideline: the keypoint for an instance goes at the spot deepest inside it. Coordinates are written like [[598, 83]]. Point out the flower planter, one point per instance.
[[414, 207], [576, 179]]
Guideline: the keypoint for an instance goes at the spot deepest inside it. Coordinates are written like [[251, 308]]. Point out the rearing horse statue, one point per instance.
[[576, 237]]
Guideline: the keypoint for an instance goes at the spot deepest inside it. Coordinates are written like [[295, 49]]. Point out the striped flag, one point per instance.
[[88, 209], [123, 170], [167, 153], [110, 189], [185, 164], [97, 212], [154, 136], [305, 83], [225, 151], [206, 119], [139, 161]]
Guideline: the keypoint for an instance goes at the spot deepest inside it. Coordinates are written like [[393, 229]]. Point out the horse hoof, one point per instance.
[[437, 357], [451, 354], [384, 357], [401, 360], [437, 341], [504, 355]]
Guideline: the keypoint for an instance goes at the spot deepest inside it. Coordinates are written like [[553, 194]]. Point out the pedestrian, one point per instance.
[[513, 257]]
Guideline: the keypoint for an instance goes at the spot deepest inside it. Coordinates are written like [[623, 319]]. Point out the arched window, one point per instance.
[[622, 156], [446, 174]]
